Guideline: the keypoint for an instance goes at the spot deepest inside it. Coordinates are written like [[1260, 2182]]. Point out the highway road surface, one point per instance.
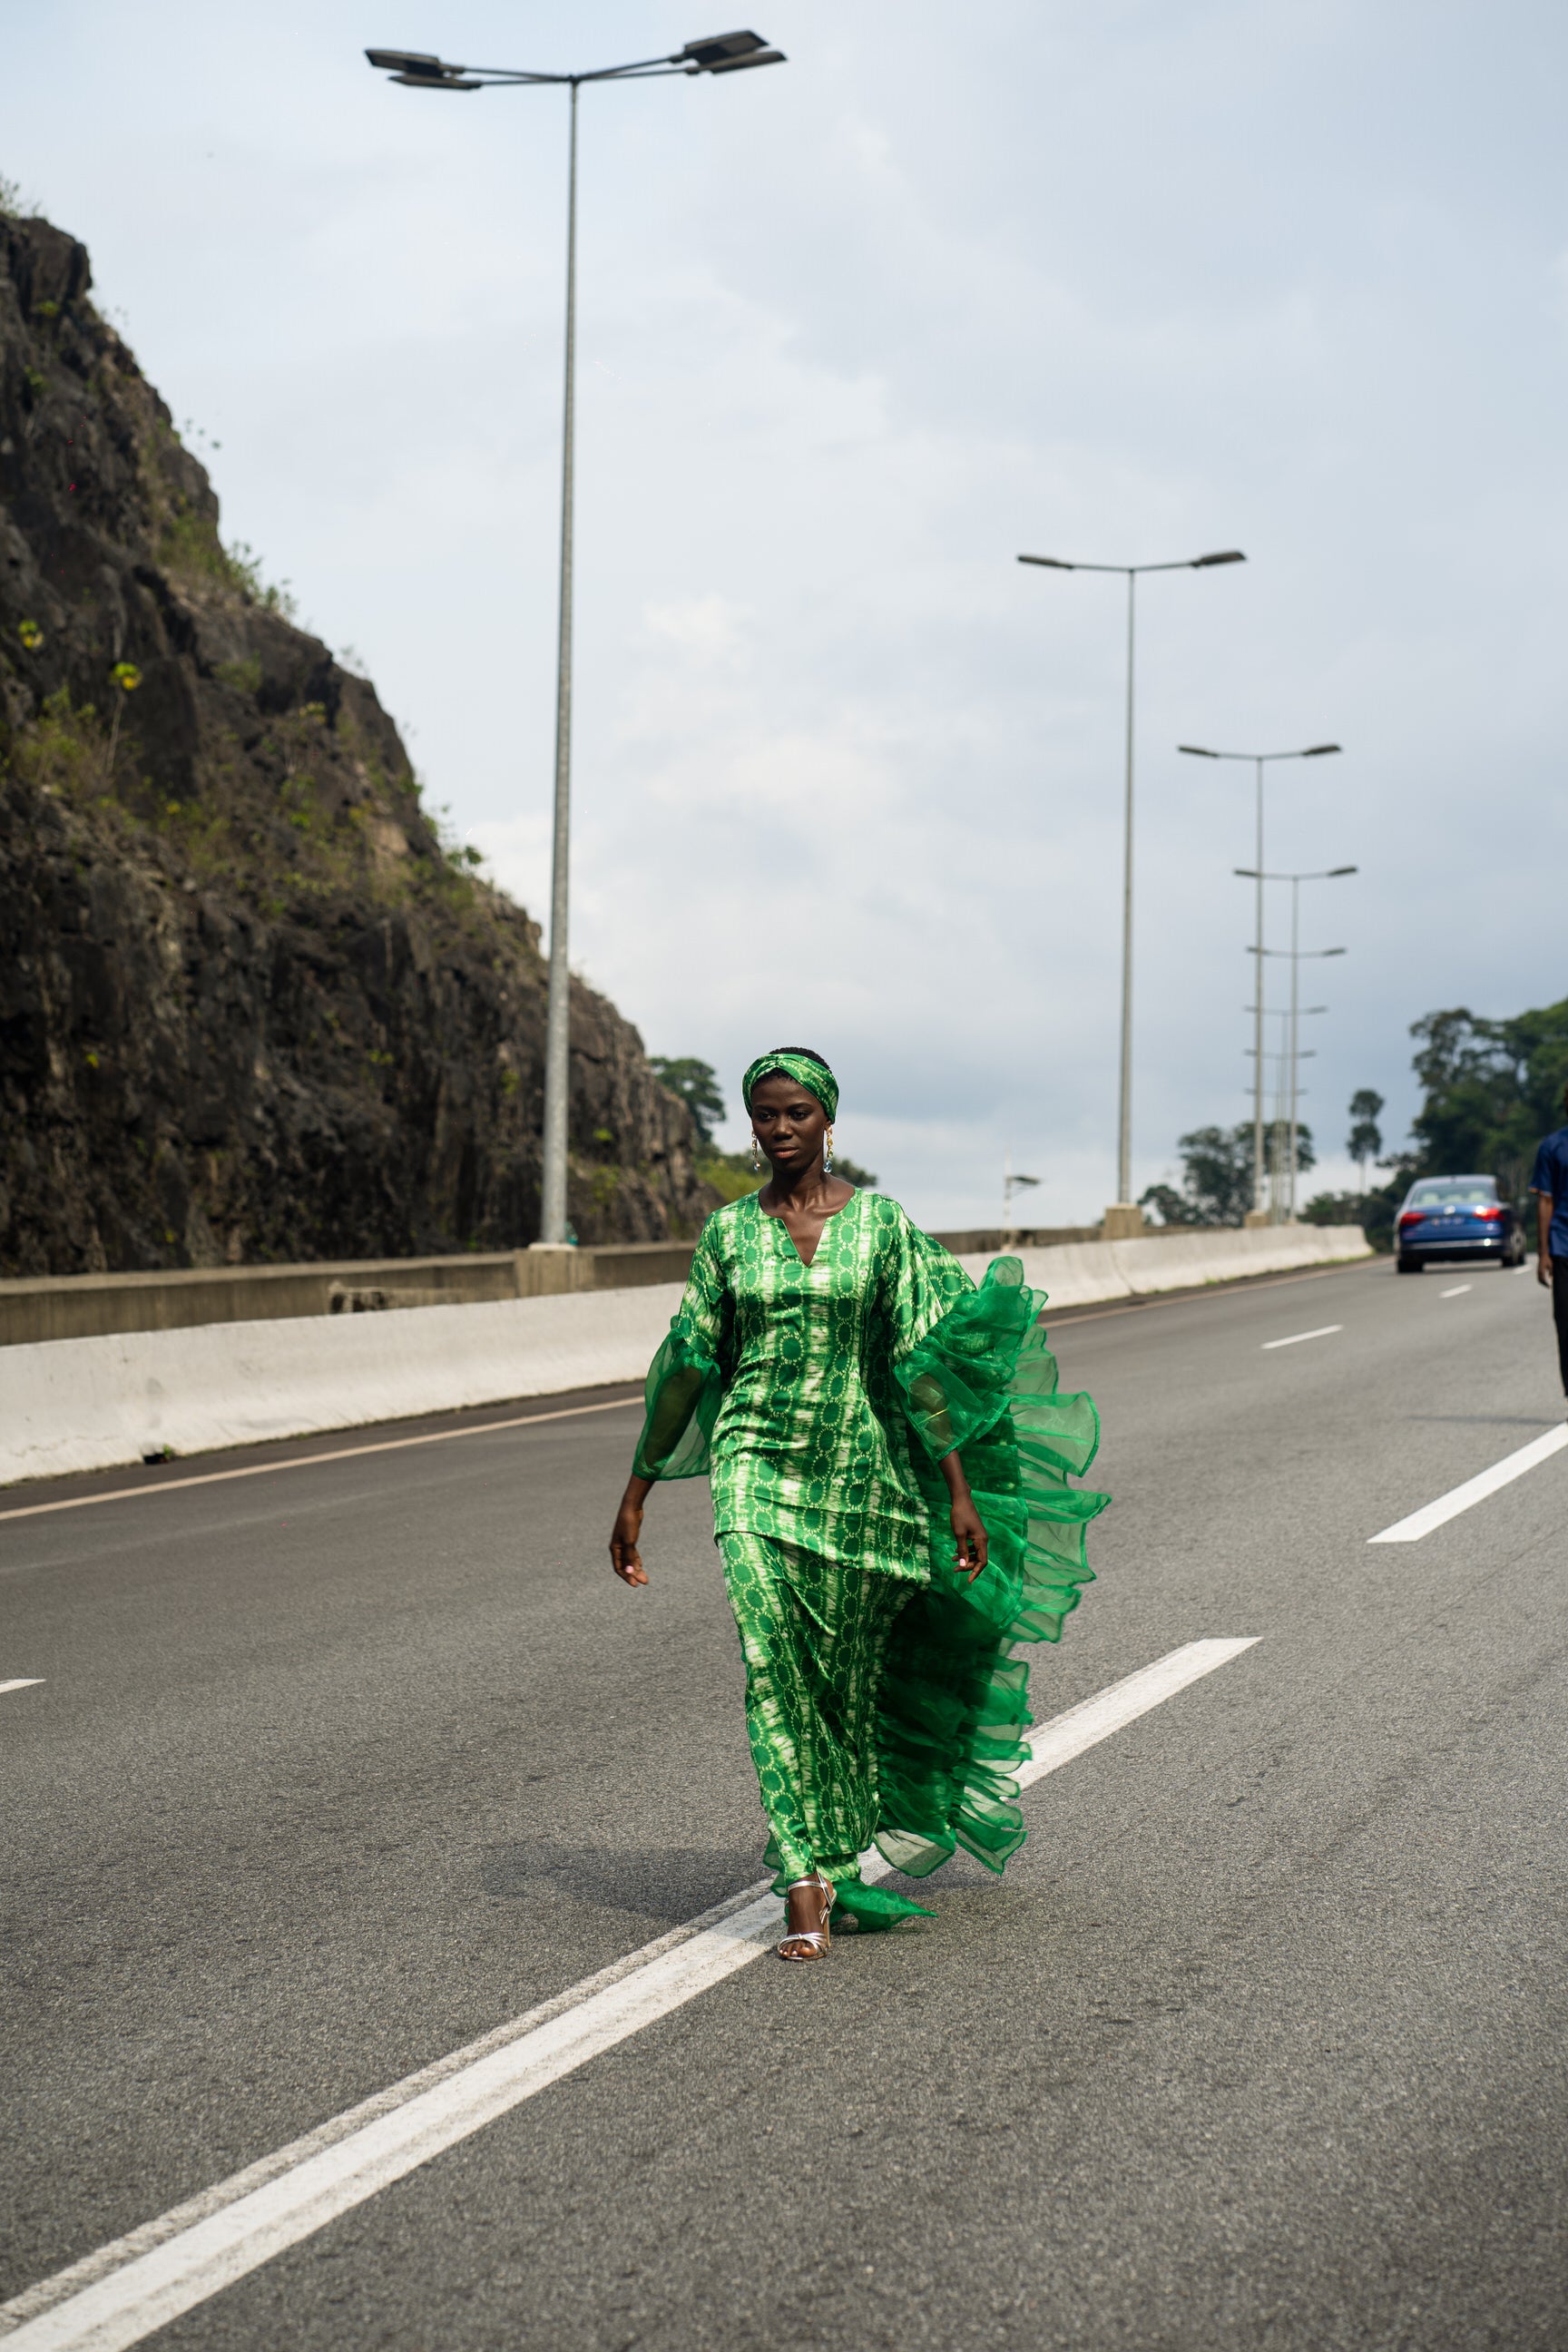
[[356, 1822]]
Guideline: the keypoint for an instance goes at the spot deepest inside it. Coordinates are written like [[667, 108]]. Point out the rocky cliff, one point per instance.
[[251, 1006]]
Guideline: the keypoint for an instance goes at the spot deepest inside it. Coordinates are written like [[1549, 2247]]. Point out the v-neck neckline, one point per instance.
[[833, 1214]]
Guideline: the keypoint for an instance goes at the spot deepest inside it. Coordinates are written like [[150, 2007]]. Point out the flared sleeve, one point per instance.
[[976, 1373], [685, 1379]]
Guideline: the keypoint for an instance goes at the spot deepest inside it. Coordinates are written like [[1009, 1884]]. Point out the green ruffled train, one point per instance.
[[954, 1708]]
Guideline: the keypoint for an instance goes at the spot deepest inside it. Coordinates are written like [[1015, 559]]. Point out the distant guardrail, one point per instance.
[[93, 1306]]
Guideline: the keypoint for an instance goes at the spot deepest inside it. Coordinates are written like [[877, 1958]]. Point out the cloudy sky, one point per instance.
[[1120, 279]]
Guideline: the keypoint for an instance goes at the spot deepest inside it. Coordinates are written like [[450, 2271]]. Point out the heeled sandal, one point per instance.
[[816, 1940]]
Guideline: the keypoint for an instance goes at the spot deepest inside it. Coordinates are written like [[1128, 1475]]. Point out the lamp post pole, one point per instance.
[[416, 69], [1123, 1216], [558, 1010], [1259, 761], [1298, 955]]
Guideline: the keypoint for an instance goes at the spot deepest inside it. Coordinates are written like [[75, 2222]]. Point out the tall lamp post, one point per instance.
[[1125, 1217], [415, 69], [1298, 955], [1260, 759]]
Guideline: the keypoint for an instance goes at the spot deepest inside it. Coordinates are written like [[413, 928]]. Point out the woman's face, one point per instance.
[[788, 1122]]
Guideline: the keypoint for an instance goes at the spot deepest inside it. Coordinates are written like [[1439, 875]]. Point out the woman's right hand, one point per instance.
[[624, 1557]]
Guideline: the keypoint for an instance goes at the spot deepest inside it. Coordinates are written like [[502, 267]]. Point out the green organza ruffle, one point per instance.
[[954, 1707], [681, 1397]]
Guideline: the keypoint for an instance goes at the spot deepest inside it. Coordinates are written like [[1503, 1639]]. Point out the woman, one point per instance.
[[852, 1395]]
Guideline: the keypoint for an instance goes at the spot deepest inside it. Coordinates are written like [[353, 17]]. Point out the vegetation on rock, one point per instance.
[[251, 1006]]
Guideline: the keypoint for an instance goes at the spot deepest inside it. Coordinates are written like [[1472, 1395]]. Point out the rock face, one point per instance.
[[250, 1007]]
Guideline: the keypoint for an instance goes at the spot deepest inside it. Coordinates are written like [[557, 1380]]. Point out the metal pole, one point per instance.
[[1258, 1021], [1125, 1124], [1295, 1032], [558, 1028]]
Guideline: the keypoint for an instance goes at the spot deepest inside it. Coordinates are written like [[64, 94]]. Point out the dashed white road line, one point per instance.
[[128, 2289], [1323, 1331], [22, 1682], [1474, 1490], [1457, 1291]]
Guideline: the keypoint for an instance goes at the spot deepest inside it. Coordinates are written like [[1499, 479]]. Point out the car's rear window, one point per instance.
[[1460, 1193]]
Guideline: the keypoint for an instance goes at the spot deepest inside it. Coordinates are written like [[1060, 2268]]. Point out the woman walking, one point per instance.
[[889, 1462]]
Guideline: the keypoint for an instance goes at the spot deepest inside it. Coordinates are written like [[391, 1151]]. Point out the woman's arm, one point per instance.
[[968, 1526], [624, 1557]]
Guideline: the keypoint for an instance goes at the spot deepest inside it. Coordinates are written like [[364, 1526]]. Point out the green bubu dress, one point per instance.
[[883, 1700]]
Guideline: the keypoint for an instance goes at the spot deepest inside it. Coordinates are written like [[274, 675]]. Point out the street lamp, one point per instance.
[[416, 69], [1012, 1181], [1260, 760], [1130, 572], [1298, 955]]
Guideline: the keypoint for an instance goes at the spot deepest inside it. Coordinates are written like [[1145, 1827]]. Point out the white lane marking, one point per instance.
[[128, 2289], [1066, 1735], [1323, 1331], [1458, 1290], [23, 1681], [304, 1460], [1474, 1490]]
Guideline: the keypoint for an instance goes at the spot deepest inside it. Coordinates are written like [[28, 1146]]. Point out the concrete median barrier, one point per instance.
[[121, 1397], [89, 1404], [1087, 1274]]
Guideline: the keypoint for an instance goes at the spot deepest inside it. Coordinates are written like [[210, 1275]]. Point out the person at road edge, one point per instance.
[[1548, 1182]]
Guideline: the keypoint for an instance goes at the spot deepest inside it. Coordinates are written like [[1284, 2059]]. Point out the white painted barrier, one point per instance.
[[1085, 1274], [90, 1404]]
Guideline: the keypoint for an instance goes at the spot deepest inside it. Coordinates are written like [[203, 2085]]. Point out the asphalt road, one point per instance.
[[1259, 2042]]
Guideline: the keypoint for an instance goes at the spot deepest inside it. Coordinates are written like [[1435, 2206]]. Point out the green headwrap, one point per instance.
[[814, 1075]]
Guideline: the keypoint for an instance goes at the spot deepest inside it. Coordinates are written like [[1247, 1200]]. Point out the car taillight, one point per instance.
[[1493, 1213], [1413, 1216]]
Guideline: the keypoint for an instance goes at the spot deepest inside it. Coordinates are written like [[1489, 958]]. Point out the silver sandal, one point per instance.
[[816, 1939]]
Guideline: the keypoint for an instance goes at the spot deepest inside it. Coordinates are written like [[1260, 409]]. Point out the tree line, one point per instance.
[[1490, 1090]]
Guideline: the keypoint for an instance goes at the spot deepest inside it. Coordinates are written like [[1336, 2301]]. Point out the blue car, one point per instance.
[[1456, 1217]]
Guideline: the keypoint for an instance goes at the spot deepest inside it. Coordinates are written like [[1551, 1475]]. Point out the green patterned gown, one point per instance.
[[882, 1698]]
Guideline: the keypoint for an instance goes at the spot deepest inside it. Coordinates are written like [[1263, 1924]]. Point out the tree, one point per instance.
[[694, 1083], [1364, 1141], [1492, 1089], [1169, 1206], [1216, 1176]]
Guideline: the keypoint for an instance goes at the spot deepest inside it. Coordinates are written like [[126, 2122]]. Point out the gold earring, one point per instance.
[[828, 1152]]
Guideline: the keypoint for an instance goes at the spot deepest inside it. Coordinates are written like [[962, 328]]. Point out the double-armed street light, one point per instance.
[[1298, 955], [719, 53], [1259, 761], [1130, 572]]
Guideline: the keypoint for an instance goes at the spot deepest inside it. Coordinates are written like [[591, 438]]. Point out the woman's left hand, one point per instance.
[[969, 1536]]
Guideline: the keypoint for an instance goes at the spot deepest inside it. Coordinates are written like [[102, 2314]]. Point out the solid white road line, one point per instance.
[[1458, 1290], [304, 1460], [1474, 1490], [1066, 1735], [23, 1681], [1323, 1331], [139, 2284]]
